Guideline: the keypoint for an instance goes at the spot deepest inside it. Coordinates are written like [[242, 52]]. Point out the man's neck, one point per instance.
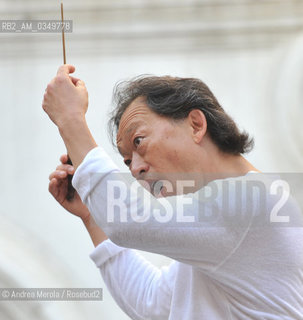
[[215, 164]]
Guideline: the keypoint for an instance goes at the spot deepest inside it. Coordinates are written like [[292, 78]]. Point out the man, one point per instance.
[[230, 260]]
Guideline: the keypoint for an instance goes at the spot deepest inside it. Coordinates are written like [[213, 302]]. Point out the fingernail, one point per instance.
[[70, 170], [62, 173]]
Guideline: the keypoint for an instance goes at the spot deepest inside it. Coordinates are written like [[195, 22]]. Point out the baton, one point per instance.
[[70, 189]]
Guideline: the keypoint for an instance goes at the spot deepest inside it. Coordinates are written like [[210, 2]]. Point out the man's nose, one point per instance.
[[138, 166]]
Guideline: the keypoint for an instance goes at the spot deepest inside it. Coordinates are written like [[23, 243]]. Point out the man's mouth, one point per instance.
[[156, 187]]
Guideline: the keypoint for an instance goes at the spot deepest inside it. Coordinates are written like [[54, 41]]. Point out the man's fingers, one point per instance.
[[58, 189], [53, 187], [66, 167], [80, 83], [66, 69], [74, 80], [64, 158], [58, 174]]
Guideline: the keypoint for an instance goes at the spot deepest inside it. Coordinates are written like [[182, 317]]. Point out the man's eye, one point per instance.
[[137, 141]]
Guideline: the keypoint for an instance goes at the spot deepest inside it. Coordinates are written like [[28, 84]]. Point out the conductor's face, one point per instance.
[[154, 147]]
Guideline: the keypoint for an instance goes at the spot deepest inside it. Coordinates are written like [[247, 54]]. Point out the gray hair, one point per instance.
[[174, 98]]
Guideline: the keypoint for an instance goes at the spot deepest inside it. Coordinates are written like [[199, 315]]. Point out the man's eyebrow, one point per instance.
[[130, 130], [133, 127]]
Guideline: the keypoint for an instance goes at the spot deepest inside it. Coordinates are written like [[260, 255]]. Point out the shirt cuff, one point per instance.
[[97, 161], [105, 251]]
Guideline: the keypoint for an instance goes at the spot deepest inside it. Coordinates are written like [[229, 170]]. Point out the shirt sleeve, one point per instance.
[[190, 233], [140, 289]]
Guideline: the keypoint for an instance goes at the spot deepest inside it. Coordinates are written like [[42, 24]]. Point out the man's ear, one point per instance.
[[198, 124]]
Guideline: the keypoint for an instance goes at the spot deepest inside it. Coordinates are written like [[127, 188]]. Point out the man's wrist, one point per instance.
[[71, 123], [87, 219], [77, 138], [96, 233]]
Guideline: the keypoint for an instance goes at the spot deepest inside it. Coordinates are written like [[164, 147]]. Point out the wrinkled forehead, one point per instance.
[[137, 112]]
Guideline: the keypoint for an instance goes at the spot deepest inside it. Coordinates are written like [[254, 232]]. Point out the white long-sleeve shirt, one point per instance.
[[230, 262]]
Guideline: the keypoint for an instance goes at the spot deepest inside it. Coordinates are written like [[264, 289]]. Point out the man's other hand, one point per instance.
[[58, 186]]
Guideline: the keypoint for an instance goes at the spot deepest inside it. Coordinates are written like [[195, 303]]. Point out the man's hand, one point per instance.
[[66, 101], [58, 188], [65, 98]]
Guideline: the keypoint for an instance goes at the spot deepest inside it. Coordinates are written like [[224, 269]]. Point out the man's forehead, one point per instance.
[[137, 109], [134, 115]]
